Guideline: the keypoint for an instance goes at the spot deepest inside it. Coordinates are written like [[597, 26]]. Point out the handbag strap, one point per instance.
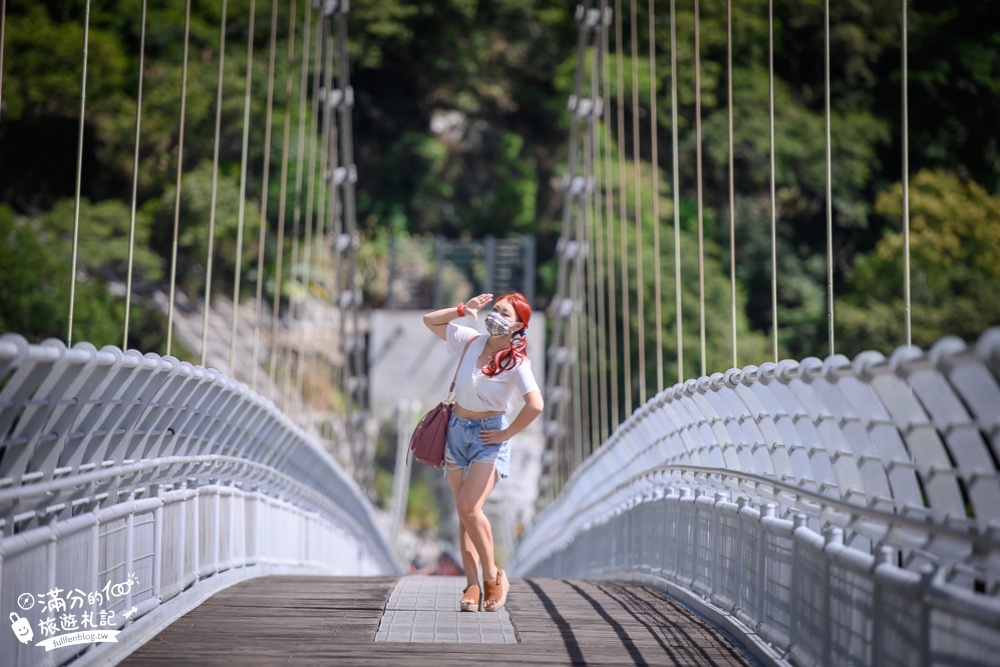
[[451, 389]]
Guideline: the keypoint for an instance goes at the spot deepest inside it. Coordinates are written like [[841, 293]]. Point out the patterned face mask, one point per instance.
[[496, 325]]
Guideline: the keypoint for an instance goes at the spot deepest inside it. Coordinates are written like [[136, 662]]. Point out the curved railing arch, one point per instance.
[[117, 467], [828, 511]]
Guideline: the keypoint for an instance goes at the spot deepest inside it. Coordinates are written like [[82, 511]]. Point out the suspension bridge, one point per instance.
[[820, 511]]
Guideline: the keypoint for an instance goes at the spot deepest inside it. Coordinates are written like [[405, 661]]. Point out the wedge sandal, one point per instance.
[[495, 596], [472, 599]]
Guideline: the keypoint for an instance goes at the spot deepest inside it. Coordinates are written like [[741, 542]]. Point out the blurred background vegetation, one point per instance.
[[461, 130]]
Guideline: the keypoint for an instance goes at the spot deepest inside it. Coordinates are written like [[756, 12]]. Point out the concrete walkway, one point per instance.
[[425, 609]]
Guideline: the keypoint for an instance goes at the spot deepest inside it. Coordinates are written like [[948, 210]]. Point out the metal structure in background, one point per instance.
[[341, 177], [119, 467], [567, 423], [865, 528], [436, 272]]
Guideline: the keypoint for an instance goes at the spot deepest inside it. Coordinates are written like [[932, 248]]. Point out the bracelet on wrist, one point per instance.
[[461, 309]]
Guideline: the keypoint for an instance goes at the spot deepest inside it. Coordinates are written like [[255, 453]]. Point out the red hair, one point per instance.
[[509, 358]]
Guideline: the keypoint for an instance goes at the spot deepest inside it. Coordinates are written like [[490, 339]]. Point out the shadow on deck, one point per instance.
[[333, 621]]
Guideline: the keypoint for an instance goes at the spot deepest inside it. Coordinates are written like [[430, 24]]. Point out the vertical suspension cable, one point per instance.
[[299, 175], [774, 211], [609, 204], [349, 223], [347, 228], [829, 177], [310, 197], [657, 264], [640, 300], [327, 221], [587, 245], [598, 228], [576, 323], [180, 171], [701, 217], [3, 26], [323, 196], [678, 287], [297, 212], [286, 136], [215, 186], [559, 377], [135, 175], [623, 215], [732, 189], [265, 184], [241, 215], [324, 94], [576, 277], [907, 306], [79, 172]]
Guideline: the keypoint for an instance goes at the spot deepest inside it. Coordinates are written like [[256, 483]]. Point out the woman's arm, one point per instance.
[[438, 320], [533, 405]]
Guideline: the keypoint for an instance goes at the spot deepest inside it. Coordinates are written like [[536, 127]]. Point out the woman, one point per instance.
[[494, 369]]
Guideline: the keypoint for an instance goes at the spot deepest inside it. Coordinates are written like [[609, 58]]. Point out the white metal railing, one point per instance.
[[133, 486], [865, 528]]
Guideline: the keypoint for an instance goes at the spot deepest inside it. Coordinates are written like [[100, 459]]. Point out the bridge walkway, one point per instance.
[[318, 621]]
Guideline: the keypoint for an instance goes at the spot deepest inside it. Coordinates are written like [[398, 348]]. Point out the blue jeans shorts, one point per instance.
[[463, 445]]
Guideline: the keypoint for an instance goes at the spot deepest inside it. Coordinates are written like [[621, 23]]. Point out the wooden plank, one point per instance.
[[328, 621]]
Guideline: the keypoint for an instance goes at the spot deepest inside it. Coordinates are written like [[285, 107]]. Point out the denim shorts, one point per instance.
[[464, 446]]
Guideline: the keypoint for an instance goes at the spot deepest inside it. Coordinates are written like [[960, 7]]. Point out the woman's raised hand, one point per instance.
[[477, 303]]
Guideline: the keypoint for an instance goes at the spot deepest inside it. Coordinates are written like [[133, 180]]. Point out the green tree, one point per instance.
[[955, 267]]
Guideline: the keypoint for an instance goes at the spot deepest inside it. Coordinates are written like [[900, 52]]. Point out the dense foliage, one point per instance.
[[461, 128]]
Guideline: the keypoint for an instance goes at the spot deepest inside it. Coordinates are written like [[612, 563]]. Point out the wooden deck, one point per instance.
[[319, 621]]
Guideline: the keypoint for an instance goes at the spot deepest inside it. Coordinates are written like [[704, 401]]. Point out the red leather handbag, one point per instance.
[[427, 441]]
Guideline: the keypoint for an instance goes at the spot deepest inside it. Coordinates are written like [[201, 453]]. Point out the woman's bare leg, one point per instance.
[[470, 558], [470, 497]]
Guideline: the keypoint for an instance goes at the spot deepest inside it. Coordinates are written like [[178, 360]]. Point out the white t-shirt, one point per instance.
[[478, 392]]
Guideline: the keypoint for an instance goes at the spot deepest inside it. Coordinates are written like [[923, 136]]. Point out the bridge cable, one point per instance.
[[906, 183], [698, 169], [657, 263], [3, 26], [343, 233], [180, 171], [774, 212], [323, 191], [295, 307], [349, 374], [732, 189], [310, 199], [597, 145], [286, 137], [623, 215], [215, 186], [609, 201], [640, 300], [340, 373], [678, 287], [135, 175], [590, 234], [829, 177], [265, 183], [576, 278], [559, 378], [348, 177], [79, 173], [241, 215], [577, 320]]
